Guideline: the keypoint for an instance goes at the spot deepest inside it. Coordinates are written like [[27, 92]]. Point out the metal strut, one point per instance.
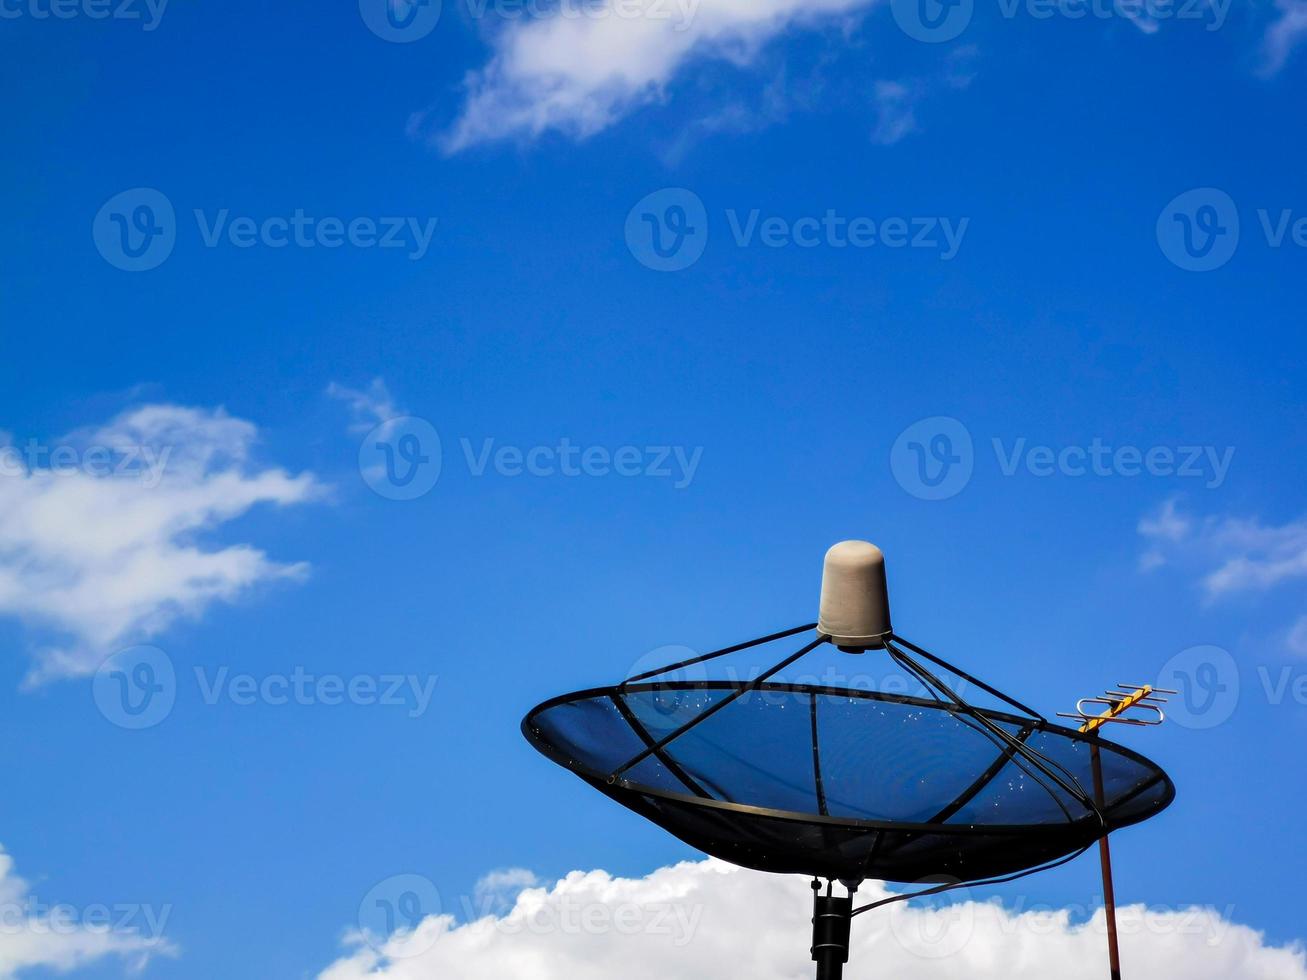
[[703, 716]]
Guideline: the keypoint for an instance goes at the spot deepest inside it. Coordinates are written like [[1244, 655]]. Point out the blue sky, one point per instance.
[[853, 231]]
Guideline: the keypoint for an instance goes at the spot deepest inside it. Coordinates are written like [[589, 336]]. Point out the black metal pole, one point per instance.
[[832, 919]]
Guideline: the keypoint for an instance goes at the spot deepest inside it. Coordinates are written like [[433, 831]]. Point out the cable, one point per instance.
[[1002, 739], [957, 672], [984, 883]]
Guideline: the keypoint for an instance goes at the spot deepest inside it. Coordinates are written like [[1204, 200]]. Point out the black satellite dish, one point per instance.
[[849, 784]]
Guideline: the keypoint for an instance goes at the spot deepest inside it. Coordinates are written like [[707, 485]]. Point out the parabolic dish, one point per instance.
[[845, 783]]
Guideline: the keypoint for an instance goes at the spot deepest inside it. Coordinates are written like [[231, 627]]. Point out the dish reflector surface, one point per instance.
[[842, 783]]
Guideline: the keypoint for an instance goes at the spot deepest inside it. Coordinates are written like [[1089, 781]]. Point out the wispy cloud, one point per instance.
[[895, 112], [579, 75], [707, 920], [101, 532], [1284, 34], [896, 101], [369, 406], [1229, 555]]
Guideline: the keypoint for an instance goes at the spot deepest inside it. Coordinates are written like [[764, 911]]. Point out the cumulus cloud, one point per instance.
[[707, 920], [101, 532], [1284, 34], [61, 938], [497, 891], [581, 69]]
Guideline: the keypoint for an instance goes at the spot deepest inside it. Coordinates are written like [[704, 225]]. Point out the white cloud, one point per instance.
[[100, 534], [497, 891], [368, 406], [62, 938], [895, 112], [579, 74], [707, 920], [1229, 555], [1284, 34], [1297, 638], [1238, 554]]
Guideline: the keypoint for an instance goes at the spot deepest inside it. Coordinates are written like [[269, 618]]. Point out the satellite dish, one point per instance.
[[846, 783]]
